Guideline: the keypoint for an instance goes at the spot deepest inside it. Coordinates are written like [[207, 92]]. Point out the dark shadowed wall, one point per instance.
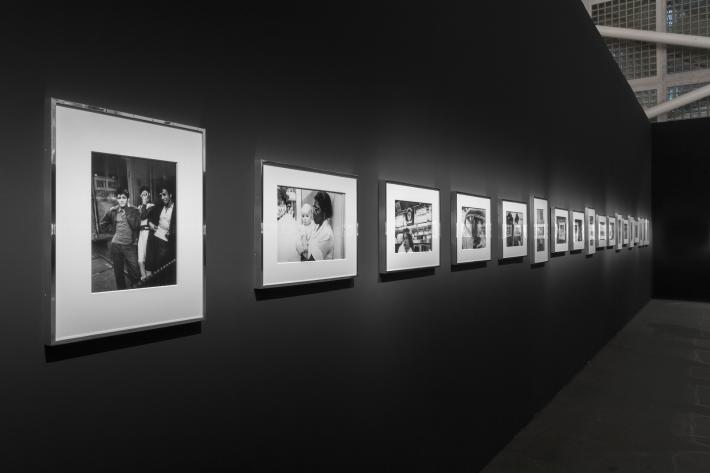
[[432, 371], [681, 228]]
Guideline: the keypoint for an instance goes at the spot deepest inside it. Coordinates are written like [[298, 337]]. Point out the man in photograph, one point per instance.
[[161, 245], [125, 222]]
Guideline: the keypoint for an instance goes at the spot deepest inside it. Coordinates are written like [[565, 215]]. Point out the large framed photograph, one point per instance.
[[619, 232], [131, 256], [611, 233], [512, 220], [471, 228], [601, 231], [577, 230], [590, 219], [409, 227], [308, 223], [560, 220], [632, 230], [625, 232], [539, 229]]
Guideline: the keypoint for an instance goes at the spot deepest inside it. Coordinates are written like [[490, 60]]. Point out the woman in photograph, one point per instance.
[[407, 245], [144, 208], [321, 242]]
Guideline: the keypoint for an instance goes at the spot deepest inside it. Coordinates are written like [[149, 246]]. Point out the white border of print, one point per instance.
[[274, 273], [459, 200], [406, 261], [559, 247], [537, 203], [512, 206], [77, 312]]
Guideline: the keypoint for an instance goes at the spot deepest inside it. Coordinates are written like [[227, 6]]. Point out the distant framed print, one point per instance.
[[632, 229], [625, 232], [560, 222], [409, 227], [636, 231], [601, 231], [611, 232], [619, 232], [471, 228], [539, 229], [132, 256], [308, 223], [591, 224], [577, 235], [512, 223]]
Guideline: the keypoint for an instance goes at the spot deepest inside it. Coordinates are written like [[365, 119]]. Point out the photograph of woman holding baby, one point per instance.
[[310, 225]]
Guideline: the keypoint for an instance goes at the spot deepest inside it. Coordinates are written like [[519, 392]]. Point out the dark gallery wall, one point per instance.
[[427, 371], [681, 232]]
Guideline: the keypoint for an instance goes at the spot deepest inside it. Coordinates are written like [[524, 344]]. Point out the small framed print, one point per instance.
[[308, 225], [141, 265], [471, 228], [619, 232], [601, 231], [577, 230], [513, 222], [590, 219], [560, 220], [409, 227], [539, 229], [625, 239], [636, 231], [611, 232], [632, 228]]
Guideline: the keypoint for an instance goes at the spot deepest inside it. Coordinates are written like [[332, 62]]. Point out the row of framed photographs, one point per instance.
[[308, 227], [134, 258]]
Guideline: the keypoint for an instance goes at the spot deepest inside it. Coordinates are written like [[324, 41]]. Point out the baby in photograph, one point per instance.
[[305, 230]]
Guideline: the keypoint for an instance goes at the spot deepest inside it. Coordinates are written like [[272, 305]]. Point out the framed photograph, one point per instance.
[[141, 265], [619, 231], [470, 229], [308, 225], [647, 232], [409, 227], [601, 231], [632, 230], [577, 230], [513, 222], [636, 231], [611, 232], [591, 220], [625, 239], [560, 220], [539, 229]]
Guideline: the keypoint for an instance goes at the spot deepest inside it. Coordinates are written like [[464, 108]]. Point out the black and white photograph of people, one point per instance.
[[413, 227], [133, 237], [310, 225]]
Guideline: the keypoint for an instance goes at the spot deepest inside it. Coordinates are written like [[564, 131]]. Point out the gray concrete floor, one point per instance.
[[641, 405]]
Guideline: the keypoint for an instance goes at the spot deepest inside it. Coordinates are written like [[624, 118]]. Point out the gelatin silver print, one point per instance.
[[133, 222], [413, 226], [310, 225]]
